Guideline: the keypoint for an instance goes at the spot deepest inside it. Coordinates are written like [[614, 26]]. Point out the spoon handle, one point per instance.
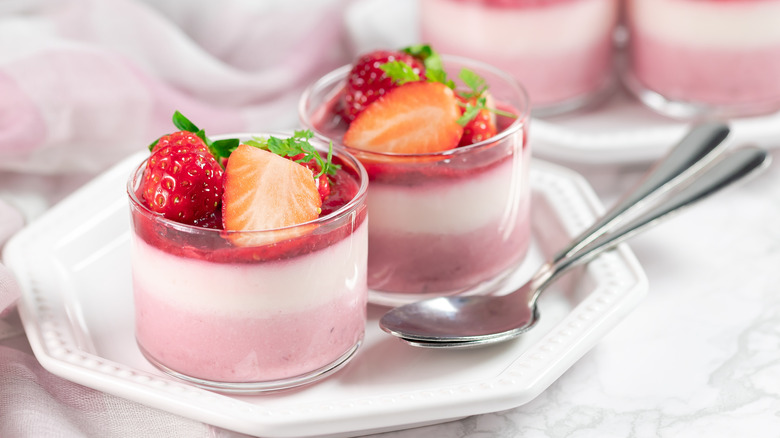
[[721, 172], [686, 157]]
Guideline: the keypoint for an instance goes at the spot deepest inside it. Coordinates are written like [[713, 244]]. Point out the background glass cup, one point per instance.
[[452, 222], [693, 58], [247, 319], [560, 50]]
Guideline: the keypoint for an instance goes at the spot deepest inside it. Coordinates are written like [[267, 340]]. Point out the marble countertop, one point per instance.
[[700, 356]]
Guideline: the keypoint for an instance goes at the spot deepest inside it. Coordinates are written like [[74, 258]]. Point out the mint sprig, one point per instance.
[[476, 84], [299, 147]]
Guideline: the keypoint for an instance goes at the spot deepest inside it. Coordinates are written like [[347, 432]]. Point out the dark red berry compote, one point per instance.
[[445, 217]]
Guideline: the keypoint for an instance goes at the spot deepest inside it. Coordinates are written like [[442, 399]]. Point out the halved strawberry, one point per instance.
[[414, 118], [264, 191]]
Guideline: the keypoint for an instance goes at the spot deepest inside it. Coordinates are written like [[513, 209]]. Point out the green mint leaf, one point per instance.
[[468, 115], [476, 84], [258, 142], [426, 54], [304, 134], [434, 68], [223, 148], [400, 72], [183, 123], [152, 145], [202, 134], [419, 51], [439, 76]]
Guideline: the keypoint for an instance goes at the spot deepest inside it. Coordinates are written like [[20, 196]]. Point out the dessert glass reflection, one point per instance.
[[442, 223], [560, 50], [693, 58], [248, 319]]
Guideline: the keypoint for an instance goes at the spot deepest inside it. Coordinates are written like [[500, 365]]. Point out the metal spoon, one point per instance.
[[459, 322]]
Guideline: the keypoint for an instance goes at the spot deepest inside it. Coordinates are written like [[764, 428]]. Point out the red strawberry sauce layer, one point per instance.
[[413, 170], [211, 244]]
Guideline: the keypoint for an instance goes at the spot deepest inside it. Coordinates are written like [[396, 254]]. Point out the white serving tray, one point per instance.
[[73, 267]]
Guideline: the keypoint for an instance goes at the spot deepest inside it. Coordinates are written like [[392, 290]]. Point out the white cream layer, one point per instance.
[[706, 24], [245, 288], [452, 207], [563, 27]]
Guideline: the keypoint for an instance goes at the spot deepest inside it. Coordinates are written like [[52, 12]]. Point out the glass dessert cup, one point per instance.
[[560, 50], [286, 311], [444, 223], [695, 59]]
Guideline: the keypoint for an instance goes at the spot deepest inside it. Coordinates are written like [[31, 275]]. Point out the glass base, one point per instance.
[[254, 388], [394, 299], [687, 110]]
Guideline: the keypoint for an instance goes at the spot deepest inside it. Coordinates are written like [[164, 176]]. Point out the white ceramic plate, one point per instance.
[[74, 270]]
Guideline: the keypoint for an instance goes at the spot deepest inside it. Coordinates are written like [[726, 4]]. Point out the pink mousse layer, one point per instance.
[[247, 349], [251, 324], [710, 75]]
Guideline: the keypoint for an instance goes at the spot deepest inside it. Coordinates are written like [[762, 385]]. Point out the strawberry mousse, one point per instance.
[[268, 289], [716, 57], [448, 168], [560, 50]]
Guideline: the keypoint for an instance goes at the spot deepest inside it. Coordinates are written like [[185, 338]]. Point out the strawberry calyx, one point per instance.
[[220, 149]]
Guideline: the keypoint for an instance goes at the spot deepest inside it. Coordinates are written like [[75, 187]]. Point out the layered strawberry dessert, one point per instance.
[[560, 50], [444, 144], [248, 258], [719, 54]]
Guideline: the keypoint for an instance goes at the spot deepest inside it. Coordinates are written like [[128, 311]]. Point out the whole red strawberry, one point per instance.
[[183, 182], [367, 81]]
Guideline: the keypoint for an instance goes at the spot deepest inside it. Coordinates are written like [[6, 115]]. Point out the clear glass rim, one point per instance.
[[340, 73], [346, 209]]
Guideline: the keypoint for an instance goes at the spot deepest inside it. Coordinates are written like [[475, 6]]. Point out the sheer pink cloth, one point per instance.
[[84, 83]]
